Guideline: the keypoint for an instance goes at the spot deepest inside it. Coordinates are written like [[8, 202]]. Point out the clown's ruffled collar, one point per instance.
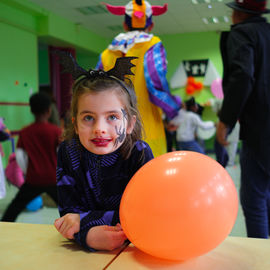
[[125, 41]]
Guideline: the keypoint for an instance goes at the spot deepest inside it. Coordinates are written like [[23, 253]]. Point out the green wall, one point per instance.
[[192, 46], [19, 76]]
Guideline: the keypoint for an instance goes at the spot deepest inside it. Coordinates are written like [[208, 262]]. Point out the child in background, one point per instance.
[[101, 153], [188, 121], [40, 141]]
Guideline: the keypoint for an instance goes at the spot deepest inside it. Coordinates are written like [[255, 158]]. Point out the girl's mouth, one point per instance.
[[100, 142]]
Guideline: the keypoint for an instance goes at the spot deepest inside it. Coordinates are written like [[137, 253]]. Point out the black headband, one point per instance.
[[121, 68]]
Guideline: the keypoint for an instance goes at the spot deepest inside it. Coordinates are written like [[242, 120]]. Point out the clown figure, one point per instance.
[[151, 85]]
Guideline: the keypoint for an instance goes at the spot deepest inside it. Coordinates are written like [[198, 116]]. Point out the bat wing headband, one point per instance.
[[121, 68], [138, 13]]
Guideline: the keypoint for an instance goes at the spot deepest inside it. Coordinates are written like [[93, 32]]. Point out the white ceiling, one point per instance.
[[182, 16]]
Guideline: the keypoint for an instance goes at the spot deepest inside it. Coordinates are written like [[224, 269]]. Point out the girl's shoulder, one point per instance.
[[141, 154], [141, 146]]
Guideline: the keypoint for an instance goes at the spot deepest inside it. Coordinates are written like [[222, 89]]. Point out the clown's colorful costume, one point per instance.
[[150, 81]]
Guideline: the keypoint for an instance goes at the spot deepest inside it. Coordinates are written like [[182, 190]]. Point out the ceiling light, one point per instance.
[[215, 19], [226, 19], [205, 1], [205, 20]]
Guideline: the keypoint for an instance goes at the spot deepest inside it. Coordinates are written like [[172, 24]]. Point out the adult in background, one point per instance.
[[246, 85], [150, 83]]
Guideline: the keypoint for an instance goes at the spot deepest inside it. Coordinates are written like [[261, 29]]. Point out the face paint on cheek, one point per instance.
[[121, 132], [124, 114]]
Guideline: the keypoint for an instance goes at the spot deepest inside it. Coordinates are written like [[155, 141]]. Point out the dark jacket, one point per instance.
[[246, 84]]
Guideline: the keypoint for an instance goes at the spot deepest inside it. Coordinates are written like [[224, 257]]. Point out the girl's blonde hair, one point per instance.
[[124, 90]]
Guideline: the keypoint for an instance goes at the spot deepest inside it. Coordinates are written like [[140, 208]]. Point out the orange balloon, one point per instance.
[[179, 205]]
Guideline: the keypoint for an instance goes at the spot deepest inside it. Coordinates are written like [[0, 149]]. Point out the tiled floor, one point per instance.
[[47, 215]]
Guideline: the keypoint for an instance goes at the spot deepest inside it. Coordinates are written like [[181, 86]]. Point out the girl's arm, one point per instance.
[[98, 237], [75, 201]]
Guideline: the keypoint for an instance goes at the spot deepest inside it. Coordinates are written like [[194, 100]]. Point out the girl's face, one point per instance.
[[102, 122]]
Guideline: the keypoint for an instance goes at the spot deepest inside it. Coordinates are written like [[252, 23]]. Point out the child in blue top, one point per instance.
[[102, 151]]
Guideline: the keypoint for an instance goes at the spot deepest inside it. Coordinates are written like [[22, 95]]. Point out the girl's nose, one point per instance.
[[99, 128], [99, 132]]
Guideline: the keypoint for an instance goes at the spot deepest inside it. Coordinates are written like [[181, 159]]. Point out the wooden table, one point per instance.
[[235, 253], [39, 247], [33, 246]]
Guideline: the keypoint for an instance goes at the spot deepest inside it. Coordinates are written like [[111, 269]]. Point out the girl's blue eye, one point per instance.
[[88, 118], [112, 117]]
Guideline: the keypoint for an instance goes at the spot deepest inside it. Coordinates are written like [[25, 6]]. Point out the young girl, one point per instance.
[[101, 153]]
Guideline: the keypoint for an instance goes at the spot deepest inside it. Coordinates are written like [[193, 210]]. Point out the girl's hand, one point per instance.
[[106, 237], [68, 224]]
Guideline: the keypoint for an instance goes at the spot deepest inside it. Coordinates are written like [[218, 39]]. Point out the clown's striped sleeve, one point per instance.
[[155, 70]]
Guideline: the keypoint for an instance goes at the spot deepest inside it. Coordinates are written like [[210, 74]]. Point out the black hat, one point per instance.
[[250, 6]]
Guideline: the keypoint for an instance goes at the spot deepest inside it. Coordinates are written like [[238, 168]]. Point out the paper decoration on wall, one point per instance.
[[16, 83], [25, 84], [30, 91], [179, 79], [195, 68], [211, 74]]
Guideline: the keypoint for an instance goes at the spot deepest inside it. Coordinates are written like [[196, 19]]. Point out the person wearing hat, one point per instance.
[[246, 85], [150, 83]]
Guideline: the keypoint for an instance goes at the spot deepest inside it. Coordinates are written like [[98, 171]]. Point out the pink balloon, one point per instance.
[[216, 88]]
